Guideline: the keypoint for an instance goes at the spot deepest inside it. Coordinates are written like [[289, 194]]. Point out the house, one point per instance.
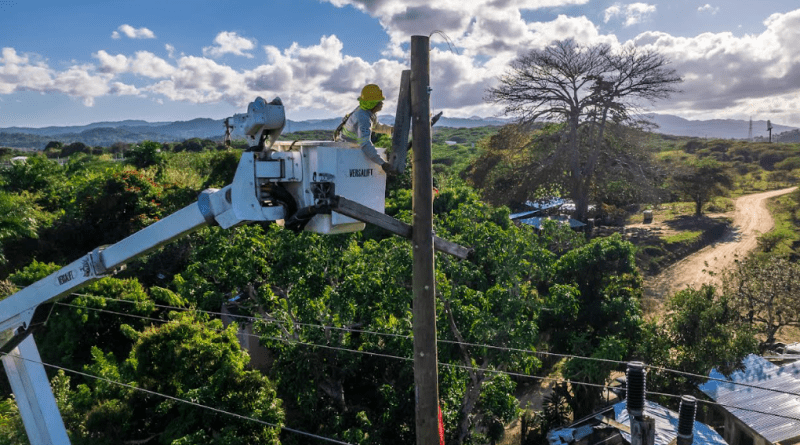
[[612, 426], [746, 426]]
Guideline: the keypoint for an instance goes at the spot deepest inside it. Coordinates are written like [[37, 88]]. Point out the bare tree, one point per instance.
[[766, 293], [587, 89]]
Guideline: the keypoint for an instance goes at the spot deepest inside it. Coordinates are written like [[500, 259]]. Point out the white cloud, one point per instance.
[[133, 33], [230, 43], [143, 63], [632, 13], [612, 11], [734, 76], [709, 9], [477, 26], [201, 80], [121, 89], [22, 73], [170, 50]]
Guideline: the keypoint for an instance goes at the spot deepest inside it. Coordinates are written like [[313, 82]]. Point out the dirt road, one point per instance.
[[750, 219]]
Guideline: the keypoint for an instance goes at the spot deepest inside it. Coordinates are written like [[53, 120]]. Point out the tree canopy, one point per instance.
[[700, 180]]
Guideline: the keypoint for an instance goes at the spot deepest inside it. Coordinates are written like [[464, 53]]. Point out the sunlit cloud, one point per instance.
[[133, 33], [230, 43]]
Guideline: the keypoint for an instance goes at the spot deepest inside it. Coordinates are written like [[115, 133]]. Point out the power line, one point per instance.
[[177, 399], [595, 385], [709, 402], [285, 340], [252, 318], [508, 349], [493, 371]]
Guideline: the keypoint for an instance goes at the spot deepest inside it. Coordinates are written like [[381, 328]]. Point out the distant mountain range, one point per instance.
[[130, 131], [715, 128]]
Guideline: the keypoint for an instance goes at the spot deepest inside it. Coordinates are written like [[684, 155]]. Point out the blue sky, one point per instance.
[[77, 62]]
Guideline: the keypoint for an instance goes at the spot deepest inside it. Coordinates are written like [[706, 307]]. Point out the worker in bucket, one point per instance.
[[357, 127]]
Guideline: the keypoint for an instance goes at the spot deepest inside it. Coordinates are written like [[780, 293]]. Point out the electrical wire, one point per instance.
[[448, 365], [450, 43], [178, 399], [709, 402], [493, 371], [507, 349], [252, 318], [285, 340]]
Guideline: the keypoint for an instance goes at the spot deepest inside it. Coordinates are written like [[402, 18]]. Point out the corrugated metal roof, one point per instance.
[[545, 204], [527, 214], [758, 371], [537, 221], [667, 425]]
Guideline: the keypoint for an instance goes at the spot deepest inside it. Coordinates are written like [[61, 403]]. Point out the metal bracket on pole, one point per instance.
[[37, 405]]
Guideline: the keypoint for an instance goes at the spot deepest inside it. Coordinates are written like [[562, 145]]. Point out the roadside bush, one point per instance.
[[612, 215], [769, 241], [769, 158], [781, 176], [692, 145], [792, 163]]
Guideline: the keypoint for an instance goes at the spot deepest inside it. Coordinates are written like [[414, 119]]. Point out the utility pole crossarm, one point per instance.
[[386, 222]]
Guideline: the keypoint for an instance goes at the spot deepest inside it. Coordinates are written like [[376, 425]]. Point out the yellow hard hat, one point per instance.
[[371, 92]]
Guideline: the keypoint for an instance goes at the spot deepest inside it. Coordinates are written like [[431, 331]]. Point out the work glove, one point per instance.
[[387, 168]]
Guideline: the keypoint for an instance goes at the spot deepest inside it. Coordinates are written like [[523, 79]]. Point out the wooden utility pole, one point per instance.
[[426, 383]]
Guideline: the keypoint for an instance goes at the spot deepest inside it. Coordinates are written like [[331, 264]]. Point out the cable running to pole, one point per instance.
[[477, 345], [493, 371]]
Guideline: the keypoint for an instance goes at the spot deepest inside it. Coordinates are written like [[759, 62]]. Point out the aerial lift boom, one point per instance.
[[324, 187]]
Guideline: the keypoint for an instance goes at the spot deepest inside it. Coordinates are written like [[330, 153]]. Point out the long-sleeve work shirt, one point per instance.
[[358, 129]]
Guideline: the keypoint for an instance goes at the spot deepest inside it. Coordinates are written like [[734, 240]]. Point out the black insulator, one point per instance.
[[636, 389], [686, 415]]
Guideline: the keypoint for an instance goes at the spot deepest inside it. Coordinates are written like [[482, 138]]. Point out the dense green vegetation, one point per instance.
[[334, 312]]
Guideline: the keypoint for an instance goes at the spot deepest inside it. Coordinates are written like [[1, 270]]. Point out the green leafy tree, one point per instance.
[[17, 219], [74, 148], [223, 168], [37, 174], [491, 300], [12, 431], [521, 163], [187, 359], [104, 210], [145, 154], [299, 282], [79, 324], [594, 311], [701, 180], [700, 331]]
